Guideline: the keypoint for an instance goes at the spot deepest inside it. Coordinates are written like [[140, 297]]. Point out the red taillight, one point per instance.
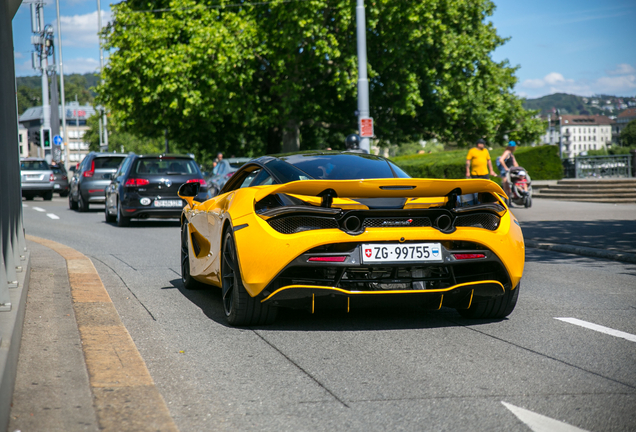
[[228, 175], [341, 258], [52, 178], [64, 177], [136, 182], [201, 181], [91, 171], [461, 256]]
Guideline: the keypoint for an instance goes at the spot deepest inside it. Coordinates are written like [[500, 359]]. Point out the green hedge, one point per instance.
[[542, 163]]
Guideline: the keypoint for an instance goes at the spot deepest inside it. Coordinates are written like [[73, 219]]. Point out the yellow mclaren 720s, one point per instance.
[[345, 230]]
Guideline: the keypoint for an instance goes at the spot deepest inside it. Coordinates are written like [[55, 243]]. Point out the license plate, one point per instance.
[[33, 177], [401, 252], [168, 203], [56, 186]]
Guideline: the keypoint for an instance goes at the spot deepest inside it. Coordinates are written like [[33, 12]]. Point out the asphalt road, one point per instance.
[[370, 369]]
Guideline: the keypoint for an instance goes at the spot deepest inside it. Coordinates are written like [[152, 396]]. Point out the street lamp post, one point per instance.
[[363, 82], [59, 47], [103, 147]]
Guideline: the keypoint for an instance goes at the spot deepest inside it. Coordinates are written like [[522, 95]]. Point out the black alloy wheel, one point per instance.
[[122, 221], [48, 196], [188, 281], [240, 308], [495, 308], [72, 204]]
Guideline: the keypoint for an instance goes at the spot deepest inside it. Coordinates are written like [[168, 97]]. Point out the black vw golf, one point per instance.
[[146, 186]]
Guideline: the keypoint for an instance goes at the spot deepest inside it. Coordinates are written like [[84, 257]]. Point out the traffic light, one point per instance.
[[38, 138], [46, 138]]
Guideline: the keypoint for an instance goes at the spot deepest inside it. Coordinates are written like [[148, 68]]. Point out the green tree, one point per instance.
[[120, 142], [283, 75], [628, 135]]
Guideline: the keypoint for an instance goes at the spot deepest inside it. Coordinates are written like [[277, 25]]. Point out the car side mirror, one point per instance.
[[188, 191]]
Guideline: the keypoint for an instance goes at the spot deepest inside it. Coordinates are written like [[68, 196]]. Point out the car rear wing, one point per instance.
[[382, 188]]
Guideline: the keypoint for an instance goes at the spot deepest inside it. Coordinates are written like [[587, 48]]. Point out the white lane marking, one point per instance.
[[25, 205], [540, 423], [39, 209], [599, 328], [52, 216]]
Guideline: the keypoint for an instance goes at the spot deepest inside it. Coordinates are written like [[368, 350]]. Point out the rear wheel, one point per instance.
[[64, 194], [122, 221], [188, 281], [528, 202], [498, 307], [48, 196], [240, 308], [82, 204], [72, 204], [28, 197]]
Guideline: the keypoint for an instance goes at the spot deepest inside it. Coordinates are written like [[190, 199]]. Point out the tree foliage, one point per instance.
[[120, 141], [283, 75], [628, 135]]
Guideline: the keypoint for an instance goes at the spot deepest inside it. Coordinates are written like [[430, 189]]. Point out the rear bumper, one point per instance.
[[458, 296], [150, 212], [35, 187]]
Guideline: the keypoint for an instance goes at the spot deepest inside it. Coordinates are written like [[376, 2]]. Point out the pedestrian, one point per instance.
[[478, 163], [504, 163]]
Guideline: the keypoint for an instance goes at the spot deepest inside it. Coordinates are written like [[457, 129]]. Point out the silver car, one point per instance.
[[222, 173], [91, 178], [37, 178]]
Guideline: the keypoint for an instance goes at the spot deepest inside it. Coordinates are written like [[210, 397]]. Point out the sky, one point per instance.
[[581, 47]]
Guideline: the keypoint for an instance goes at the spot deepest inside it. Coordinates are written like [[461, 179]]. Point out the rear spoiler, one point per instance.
[[383, 188]]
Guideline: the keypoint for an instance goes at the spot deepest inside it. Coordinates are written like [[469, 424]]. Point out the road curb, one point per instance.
[[584, 251], [11, 324], [124, 394]]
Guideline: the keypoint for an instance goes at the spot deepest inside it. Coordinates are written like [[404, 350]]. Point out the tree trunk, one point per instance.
[[274, 139], [291, 137]]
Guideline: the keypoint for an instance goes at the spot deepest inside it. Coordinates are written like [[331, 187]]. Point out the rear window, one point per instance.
[[165, 166], [237, 165], [341, 166], [57, 170], [34, 166], [108, 162]]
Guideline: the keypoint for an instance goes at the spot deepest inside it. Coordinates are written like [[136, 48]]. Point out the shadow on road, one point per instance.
[[364, 319], [617, 235]]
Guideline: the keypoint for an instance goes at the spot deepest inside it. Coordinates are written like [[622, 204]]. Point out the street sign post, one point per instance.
[[57, 140]]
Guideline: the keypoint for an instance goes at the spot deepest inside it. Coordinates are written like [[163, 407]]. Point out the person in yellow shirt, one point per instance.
[[478, 163]]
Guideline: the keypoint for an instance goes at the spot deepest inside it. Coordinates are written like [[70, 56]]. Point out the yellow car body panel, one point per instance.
[[264, 252]]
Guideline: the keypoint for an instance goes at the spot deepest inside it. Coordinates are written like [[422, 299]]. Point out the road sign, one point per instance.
[[57, 140], [366, 127]]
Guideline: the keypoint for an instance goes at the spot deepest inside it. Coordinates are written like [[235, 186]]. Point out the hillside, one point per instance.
[[30, 89], [571, 104]]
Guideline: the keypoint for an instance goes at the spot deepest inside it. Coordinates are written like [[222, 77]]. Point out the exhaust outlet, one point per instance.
[[444, 223], [352, 223]]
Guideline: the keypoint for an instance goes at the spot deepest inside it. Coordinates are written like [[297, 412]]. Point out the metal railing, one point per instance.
[[598, 166]]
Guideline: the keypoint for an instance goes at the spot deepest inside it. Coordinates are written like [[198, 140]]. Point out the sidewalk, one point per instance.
[[590, 229]]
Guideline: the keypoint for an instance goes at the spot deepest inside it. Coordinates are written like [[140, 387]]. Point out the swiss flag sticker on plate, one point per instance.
[[367, 252]]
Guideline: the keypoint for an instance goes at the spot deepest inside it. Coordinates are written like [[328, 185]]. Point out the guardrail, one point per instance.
[[598, 166]]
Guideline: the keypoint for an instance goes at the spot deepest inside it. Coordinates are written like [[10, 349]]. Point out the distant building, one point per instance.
[[579, 133], [23, 141], [76, 116], [621, 121]]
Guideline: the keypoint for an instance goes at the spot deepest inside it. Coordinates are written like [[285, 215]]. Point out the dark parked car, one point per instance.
[[61, 184], [91, 178], [146, 186], [37, 178], [222, 173]]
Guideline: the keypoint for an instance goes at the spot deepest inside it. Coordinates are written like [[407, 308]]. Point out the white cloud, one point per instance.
[[620, 81], [17, 54], [81, 30], [622, 69], [80, 65]]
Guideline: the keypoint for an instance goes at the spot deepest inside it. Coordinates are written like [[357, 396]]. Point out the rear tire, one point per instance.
[[48, 196], [122, 221], [528, 202], [64, 194], [28, 197], [82, 204], [240, 308], [72, 204], [188, 281], [498, 307]]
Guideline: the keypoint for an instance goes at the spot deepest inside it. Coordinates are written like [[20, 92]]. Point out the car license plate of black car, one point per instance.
[[168, 203], [379, 253]]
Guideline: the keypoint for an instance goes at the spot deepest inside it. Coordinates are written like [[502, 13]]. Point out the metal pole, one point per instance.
[[363, 82], [46, 108], [103, 145], [165, 136], [560, 140], [59, 54]]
